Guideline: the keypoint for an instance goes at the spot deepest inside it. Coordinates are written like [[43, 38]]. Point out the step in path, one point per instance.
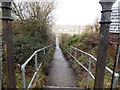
[[61, 74], [61, 88]]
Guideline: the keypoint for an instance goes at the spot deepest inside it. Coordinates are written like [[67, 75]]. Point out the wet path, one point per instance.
[[61, 74]]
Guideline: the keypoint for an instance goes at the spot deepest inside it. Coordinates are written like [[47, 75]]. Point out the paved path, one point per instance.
[[61, 74]]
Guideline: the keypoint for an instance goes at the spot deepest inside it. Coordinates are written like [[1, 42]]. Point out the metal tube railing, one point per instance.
[[34, 76], [44, 51], [36, 66], [95, 59], [75, 53], [81, 64], [23, 77], [89, 68], [36, 62]]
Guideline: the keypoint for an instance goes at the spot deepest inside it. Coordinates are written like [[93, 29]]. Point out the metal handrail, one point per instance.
[[89, 68], [95, 59], [36, 67], [81, 65]]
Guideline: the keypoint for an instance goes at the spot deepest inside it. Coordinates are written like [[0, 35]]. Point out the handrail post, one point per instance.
[[70, 52], [75, 53], [89, 69], [23, 77], [36, 62], [35, 54], [115, 82], [44, 52]]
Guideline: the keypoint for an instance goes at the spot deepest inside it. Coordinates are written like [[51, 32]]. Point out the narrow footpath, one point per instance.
[[61, 75]]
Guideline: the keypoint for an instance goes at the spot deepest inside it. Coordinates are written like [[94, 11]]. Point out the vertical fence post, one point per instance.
[[66, 51], [44, 51], [103, 43], [1, 42], [36, 62], [113, 82], [75, 53], [8, 44], [89, 70], [70, 52], [23, 77]]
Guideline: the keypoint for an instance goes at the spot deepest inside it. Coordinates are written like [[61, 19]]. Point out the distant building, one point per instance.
[[67, 29]]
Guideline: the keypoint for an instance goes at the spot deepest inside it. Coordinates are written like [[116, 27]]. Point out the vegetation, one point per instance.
[[91, 28], [31, 31], [42, 76], [88, 42]]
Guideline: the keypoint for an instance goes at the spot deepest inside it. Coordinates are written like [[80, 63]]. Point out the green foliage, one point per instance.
[[31, 27], [86, 42], [74, 40], [29, 35], [25, 46], [42, 76], [89, 44], [110, 61]]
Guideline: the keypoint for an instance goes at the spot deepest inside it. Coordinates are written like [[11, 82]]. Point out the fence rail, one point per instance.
[[36, 65], [92, 58]]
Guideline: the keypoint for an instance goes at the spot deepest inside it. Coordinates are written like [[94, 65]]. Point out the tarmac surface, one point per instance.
[[61, 74]]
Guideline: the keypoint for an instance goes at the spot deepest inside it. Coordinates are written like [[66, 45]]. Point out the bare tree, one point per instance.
[[17, 9], [36, 10], [91, 28], [88, 29], [96, 24]]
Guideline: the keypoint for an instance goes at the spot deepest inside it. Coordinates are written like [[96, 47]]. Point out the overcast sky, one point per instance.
[[77, 12]]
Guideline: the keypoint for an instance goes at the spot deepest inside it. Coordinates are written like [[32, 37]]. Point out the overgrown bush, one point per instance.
[[31, 31], [89, 44]]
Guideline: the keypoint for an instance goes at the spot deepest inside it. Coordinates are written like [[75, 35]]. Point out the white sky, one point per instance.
[[77, 12]]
